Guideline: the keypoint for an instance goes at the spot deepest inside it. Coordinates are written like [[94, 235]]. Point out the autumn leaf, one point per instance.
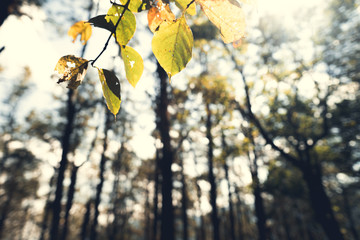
[[99, 21], [111, 90], [227, 16], [126, 28], [80, 28], [183, 4], [134, 65], [172, 45], [156, 15], [72, 69], [134, 5]]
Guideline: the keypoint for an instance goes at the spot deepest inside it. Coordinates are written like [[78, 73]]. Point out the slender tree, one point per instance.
[[99, 187], [166, 159]]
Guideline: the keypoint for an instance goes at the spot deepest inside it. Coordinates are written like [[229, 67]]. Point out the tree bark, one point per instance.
[[99, 187], [70, 197], [184, 203], [239, 215], [213, 195], [167, 158], [156, 196], [231, 207], [86, 221], [320, 202], [65, 143], [348, 213]]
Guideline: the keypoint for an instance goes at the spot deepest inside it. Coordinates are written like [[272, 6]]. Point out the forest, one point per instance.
[[196, 120]]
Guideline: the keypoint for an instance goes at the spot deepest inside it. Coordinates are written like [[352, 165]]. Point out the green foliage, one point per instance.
[[111, 90], [172, 45], [134, 65], [126, 27], [172, 42]]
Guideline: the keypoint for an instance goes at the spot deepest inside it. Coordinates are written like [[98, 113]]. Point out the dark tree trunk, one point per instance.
[[214, 212], [259, 202], [156, 196], [184, 202], [239, 216], [202, 233], [114, 227], [167, 158], [147, 232], [231, 208], [226, 170], [65, 142], [93, 231], [48, 207], [70, 197], [320, 202], [4, 212], [348, 213], [86, 221], [260, 213]]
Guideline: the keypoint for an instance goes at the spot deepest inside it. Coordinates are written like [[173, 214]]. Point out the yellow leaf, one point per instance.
[[72, 69], [111, 90], [80, 28], [227, 16], [134, 5], [126, 28], [183, 4], [134, 65], [172, 45]]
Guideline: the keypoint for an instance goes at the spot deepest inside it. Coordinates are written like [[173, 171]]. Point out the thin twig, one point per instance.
[[126, 7]]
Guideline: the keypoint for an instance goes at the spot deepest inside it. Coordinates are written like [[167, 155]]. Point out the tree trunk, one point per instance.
[[99, 187], [70, 197], [214, 212], [184, 202], [231, 208], [239, 216], [260, 213], [47, 210], [348, 213], [147, 232], [65, 142], [320, 202], [156, 196], [4, 212], [86, 221], [259, 202], [167, 158]]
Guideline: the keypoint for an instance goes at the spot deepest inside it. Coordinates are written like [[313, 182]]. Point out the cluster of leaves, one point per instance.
[[172, 42]]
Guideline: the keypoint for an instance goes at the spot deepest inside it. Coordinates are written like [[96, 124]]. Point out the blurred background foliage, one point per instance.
[[255, 142]]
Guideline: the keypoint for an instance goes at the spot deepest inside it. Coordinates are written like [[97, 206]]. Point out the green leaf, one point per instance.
[[134, 5], [99, 21], [134, 64], [172, 45], [111, 90], [72, 69], [182, 4], [126, 28]]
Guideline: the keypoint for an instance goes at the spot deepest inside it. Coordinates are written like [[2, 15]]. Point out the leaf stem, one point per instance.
[[192, 1], [126, 7]]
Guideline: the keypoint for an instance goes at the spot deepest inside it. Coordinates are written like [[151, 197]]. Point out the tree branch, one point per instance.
[[126, 7]]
